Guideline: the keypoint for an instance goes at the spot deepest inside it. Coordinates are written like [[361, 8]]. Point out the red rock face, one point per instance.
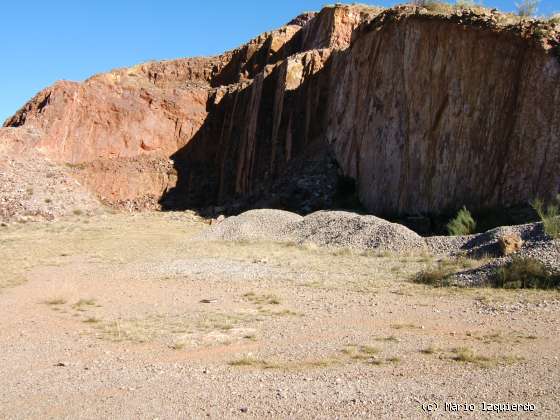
[[449, 115], [425, 112]]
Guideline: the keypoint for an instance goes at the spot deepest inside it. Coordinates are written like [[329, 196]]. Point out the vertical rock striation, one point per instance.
[[426, 112]]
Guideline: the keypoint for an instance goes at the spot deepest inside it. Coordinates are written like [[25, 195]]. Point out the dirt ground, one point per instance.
[[125, 316]]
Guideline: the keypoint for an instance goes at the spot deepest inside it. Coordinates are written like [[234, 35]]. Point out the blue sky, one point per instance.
[[48, 40]]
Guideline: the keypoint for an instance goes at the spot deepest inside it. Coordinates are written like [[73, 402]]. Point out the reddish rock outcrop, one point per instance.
[[426, 112], [450, 114]]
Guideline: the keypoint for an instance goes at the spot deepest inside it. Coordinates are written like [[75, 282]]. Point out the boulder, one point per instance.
[[509, 243]]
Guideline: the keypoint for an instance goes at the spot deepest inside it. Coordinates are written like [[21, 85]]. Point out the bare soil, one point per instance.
[[124, 316]]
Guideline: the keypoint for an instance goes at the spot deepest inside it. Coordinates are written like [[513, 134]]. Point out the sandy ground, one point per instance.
[[123, 316]]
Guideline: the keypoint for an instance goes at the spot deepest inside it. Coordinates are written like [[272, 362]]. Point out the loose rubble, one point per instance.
[[338, 229], [335, 229]]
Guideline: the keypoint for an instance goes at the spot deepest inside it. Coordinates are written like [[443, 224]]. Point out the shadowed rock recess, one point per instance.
[[411, 111]]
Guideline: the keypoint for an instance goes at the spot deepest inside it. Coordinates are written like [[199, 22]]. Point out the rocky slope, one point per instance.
[[33, 187], [425, 111]]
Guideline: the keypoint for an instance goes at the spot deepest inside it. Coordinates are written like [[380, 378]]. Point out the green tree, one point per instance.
[[462, 224]]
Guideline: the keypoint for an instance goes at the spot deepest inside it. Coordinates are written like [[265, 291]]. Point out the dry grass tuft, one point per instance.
[[390, 338], [55, 301], [440, 274], [251, 362], [405, 326], [84, 302], [526, 273], [92, 320], [429, 350], [468, 355], [262, 299]]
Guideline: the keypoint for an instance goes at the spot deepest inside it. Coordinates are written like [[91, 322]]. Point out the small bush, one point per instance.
[[525, 273], [527, 8], [554, 19], [433, 5], [462, 224], [550, 216]]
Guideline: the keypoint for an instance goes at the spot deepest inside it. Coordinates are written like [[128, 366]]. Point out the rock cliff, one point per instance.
[[424, 110]]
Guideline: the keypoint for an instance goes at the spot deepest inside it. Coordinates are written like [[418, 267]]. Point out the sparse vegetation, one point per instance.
[[178, 346], [439, 275], [462, 224], [503, 337], [403, 326], [262, 299], [360, 352], [464, 4], [390, 338], [526, 273], [284, 312], [249, 361], [527, 8], [82, 303], [549, 215], [367, 354], [468, 355], [76, 165], [92, 320], [251, 337], [436, 277], [55, 301], [429, 350], [433, 5]]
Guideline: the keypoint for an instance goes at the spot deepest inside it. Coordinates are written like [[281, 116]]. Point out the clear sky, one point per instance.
[[47, 40]]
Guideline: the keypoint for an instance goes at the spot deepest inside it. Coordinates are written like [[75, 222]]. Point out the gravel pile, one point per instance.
[[324, 228], [338, 229], [536, 245], [483, 244], [350, 230], [253, 225]]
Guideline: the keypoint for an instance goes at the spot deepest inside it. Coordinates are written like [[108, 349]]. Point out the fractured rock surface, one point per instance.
[[425, 112]]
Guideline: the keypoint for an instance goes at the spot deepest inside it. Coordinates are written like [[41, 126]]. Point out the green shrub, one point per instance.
[[462, 224], [527, 8], [525, 273], [549, 215], [554, 19]]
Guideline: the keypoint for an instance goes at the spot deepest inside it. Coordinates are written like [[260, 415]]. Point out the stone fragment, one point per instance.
[[509, 243]]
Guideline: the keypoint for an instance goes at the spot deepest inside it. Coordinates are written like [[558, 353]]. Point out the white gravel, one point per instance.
[[253, 225], [334, 229], [350, 230]]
